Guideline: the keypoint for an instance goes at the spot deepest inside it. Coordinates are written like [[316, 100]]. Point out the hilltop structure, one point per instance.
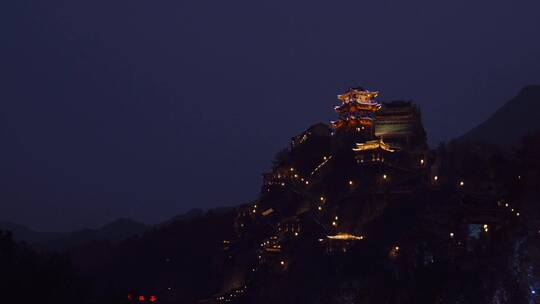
[[336, 189], [356, 111]]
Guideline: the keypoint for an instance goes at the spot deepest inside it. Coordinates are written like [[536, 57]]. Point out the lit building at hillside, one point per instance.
[[399, 123], [356, 111], [372, 151], [316, 131]]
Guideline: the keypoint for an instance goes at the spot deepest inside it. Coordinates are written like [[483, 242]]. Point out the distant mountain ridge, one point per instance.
[[116, 230], [515, 119]]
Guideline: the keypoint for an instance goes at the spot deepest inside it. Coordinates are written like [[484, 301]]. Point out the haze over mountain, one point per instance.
[[516, 118]]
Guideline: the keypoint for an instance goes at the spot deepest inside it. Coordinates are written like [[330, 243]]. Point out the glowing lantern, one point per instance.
[[142, 298], [153, 299]]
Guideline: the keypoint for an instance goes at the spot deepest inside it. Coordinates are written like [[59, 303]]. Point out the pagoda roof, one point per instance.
[[345, 237], [357, 94], [357, 106], [373, 145]]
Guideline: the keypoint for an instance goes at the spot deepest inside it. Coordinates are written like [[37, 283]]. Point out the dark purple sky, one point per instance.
[[145, 109]]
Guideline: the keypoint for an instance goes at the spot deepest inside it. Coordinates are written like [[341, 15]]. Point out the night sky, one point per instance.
[[146, 109]]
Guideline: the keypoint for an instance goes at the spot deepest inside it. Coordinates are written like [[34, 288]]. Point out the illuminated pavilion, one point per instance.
[[357, 111]]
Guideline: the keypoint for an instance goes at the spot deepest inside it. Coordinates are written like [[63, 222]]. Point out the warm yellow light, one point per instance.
[[282, 263], [296, 234], [292, 169], [461, 183], [451, 234], [350, 183], [384, 176], [336, 218], [296, 176], [506, 205], [485, 226], [372, 145], [322, 198], [435, 178], [396, 248], [421, 161], [254, 211], [334, 223], [307, 183], [320, 208], [345, 237], [517, 214]]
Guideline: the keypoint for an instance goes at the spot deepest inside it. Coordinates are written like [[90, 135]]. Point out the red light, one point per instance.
[[130, 297], [153, 299], [141, 298]]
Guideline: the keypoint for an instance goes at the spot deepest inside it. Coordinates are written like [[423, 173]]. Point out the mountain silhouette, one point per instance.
[[515, 119], [114, 231]]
